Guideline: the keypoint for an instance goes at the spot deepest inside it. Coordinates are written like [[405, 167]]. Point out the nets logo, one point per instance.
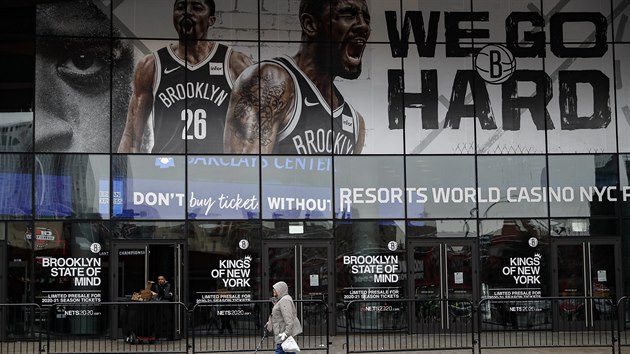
[[495, 64], [164, 162]]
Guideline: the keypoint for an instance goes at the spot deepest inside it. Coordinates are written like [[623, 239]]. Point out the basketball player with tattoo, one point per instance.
[[184, 87], [290, 105]]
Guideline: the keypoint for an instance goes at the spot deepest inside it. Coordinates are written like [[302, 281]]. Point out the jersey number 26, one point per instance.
[[195, 124]]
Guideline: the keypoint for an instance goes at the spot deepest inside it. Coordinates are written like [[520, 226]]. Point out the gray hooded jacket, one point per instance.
[[283, 317]]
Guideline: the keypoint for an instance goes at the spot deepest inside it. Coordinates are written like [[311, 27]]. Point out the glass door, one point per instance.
[[138, 268], [589, 270], [305, 266], [440, 273]]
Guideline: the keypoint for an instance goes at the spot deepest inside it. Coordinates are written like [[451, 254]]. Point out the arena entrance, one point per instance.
[[307, 267], [139, 262], [590, 269], [441, 272]]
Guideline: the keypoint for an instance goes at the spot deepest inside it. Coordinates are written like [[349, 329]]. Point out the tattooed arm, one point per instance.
[[238, 63], [140, 105], [261, 104], [358, 148]]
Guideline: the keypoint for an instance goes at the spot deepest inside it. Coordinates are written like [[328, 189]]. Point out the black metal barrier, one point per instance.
[[20, 329], [546, 322], [491, 324], [409, 325], [152, 327], [117, 327], [623, 329], [239, 326], [370, 326]]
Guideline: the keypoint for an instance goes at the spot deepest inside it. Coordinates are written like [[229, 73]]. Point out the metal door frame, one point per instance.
[[442, 244], [180, 272], [4, 264], [586, 242], [298, 244]]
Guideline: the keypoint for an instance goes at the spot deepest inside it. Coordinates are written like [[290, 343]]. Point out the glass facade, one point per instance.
[[391, 140]]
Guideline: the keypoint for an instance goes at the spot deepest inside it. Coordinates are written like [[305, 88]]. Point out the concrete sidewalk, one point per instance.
[[247, 344], [338, 347]]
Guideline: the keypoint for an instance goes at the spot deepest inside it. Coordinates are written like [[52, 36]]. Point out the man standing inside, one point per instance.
[[165, 316], [184, 87], [290, 105], [163, 289]]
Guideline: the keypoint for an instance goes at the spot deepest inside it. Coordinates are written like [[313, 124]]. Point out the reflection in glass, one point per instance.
[[624, 183], [74, 186], [157, 230], [622, 50], [584, 227], [369, 187], [16, 131], [19, 255], [16, 186], [305, 267], [297, 229], [223, 187], [570, 263], [311, 260], [586, 185], [437, 186], [442, 274], [625, 250], [297, 187], [512, 186], [586, 269], [442, 228], [148, 187]]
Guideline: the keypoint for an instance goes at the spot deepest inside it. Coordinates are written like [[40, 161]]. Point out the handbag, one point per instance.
[[290, 345]]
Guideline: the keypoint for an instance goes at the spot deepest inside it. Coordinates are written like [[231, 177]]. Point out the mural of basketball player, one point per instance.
[[184, 87], [290, 105], [73, 73]]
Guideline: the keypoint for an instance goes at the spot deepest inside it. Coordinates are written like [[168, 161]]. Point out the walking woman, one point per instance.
[[283, 321]]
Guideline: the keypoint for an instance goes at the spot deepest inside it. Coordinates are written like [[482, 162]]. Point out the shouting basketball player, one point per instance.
[[290, 105], [184, 87]]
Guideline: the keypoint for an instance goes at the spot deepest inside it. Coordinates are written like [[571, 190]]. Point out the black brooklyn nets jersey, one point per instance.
[[310, 130], [190, 102]]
